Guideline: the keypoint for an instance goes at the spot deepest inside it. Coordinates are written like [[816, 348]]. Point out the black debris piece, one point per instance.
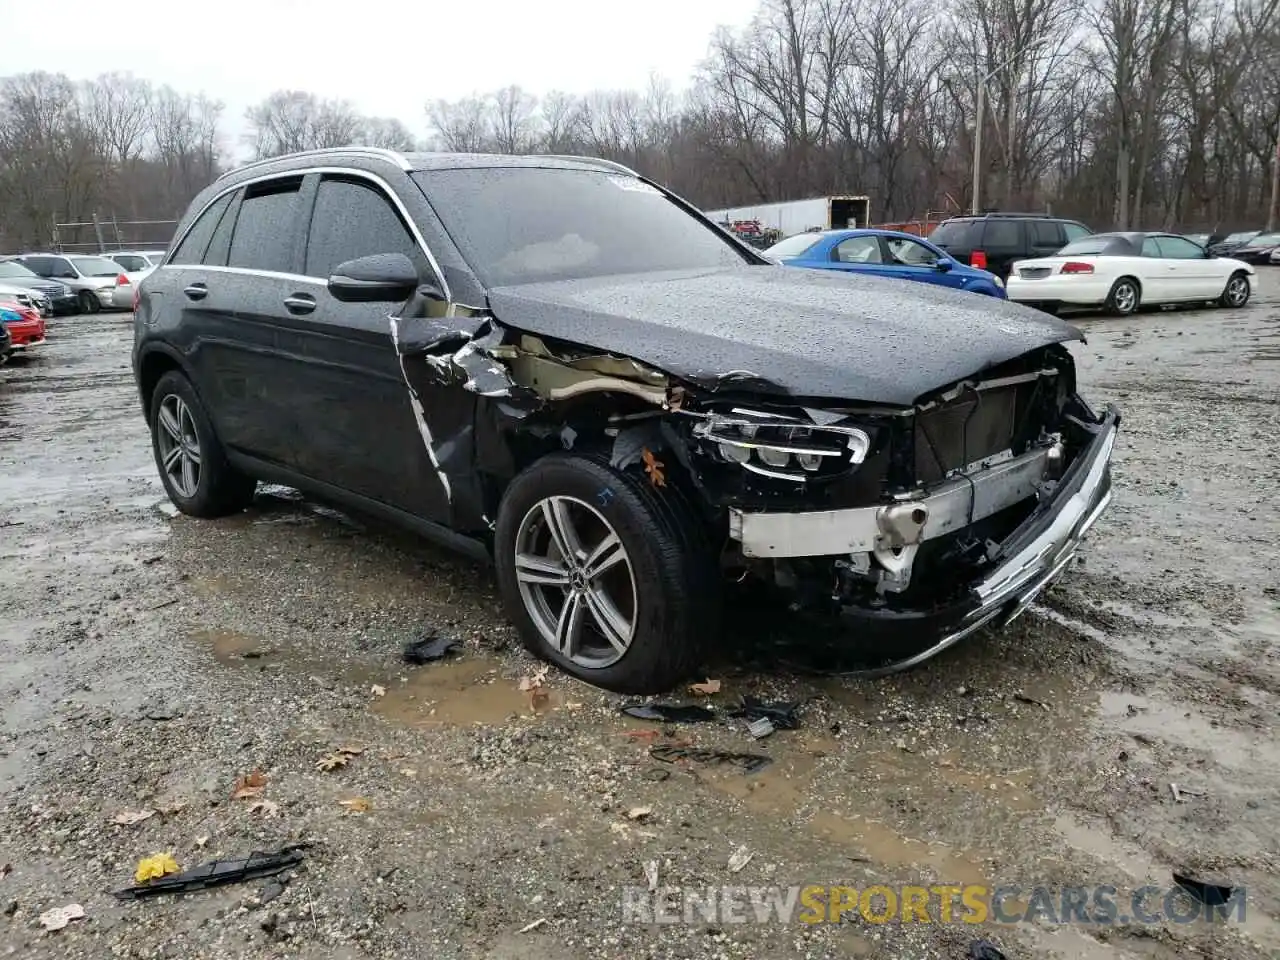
[[217, 872], [783, 716], [749, 762], [669, 712], [983, 950], [1211, 894], [429, 648]]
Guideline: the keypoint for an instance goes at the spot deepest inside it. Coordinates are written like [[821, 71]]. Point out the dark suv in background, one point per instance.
[[994, 241]]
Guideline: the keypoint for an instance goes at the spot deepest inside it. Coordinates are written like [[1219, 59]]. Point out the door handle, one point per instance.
[[300, 303], [197, 291]]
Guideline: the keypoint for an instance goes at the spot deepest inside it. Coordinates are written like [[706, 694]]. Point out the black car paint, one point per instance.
[[1001, 257], [789, 333], [312, 401]]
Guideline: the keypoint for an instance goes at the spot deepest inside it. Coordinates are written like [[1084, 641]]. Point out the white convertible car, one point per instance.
[[1123, 271]]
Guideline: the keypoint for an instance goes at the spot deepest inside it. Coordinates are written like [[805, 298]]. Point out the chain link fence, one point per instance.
[[101, 235]]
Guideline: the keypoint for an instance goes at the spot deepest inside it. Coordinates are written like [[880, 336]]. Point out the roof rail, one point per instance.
[[376, 153], [595, 161]]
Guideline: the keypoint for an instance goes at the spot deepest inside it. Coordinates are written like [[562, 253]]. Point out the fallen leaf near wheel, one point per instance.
[[250, 785], [127, 818], [707, 688], [356, 805], [534, 680], [155, 866], [59, 917], [654, 468], [267, 808]]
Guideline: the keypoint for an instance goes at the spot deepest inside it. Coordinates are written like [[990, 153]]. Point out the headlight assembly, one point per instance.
[[782, 447]]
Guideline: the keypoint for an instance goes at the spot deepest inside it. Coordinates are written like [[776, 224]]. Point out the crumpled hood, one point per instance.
[[786, 331]]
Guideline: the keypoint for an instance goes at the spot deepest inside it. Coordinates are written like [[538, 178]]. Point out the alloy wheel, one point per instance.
[[1126, 297], [179, 446], [576, 581], [1237, 291]]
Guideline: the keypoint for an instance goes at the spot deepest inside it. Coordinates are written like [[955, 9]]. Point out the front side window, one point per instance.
[[1179, 248], [352, 219], [40, 266], [518, 225], [858, 250], [193, 245], [1074, 231], [130, 262], [909, 253], [1002, 235], [1151, 249], [1044, 233], [267, 226]]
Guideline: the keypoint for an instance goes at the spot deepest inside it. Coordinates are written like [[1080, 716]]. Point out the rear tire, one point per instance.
[[1125, 297], [659, 599], [1237, 291], [192, 462], [89, 302]]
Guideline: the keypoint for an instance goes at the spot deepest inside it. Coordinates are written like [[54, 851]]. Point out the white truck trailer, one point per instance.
[[799, 216]]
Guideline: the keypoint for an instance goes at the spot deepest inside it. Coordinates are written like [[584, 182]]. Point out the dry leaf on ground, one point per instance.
[[59, 917], [127, 818], [156, 865], [356, 805], [535, 679], [350, 750], [250, 785], [639, 813], [332, 761], [410, 773], [378, 690], [265, 807], [707, 688]]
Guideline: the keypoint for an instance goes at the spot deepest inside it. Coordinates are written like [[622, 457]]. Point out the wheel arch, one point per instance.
[[154, 362]]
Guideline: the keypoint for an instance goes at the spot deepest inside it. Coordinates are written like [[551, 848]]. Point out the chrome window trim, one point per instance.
[[372, 153], [373, 178]]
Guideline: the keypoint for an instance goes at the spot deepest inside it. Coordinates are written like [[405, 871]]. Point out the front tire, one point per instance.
[[192, 463], [1237, 292], [606, 576], [89, 302], [1125, 297]]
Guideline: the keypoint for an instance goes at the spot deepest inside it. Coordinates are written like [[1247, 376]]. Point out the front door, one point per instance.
[[361, 429], [913, 260]]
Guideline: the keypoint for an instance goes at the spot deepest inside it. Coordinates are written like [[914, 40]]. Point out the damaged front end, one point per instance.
[[922, 523]]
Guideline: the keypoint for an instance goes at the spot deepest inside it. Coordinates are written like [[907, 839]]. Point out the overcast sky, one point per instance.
[[388, 57]]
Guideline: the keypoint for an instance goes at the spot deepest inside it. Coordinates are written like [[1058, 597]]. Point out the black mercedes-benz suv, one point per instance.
[[556, 363]]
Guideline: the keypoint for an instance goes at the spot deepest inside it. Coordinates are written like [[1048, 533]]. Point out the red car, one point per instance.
[[24, 324]]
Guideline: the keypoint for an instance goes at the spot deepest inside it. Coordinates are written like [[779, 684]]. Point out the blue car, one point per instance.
[[884, 253]]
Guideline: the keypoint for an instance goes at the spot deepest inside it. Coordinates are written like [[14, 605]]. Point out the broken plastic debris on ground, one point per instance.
[[215, 873]]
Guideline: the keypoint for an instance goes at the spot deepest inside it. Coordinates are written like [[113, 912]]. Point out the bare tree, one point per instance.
[[291, 120]]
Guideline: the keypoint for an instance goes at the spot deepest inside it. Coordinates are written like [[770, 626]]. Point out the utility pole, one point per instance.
[[97, 232], [977, 130], [1275, 187]]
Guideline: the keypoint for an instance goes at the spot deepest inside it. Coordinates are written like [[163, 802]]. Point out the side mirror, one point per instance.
[[944, 264], [381, 278]]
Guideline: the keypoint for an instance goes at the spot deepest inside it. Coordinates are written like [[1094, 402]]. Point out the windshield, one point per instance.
[[519, 225], [1241, 237], [16, 271], [793, 246], [1265, 240], [96, 266]]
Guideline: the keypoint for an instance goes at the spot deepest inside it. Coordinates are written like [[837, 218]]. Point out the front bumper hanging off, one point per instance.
[[1027, 561]]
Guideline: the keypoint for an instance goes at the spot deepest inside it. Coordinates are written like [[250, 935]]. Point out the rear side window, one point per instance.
[[1002, 235], [130, 262], [352, 219], [1080, 248], [192, 247], [956, 233], [220, 244], [858, 250], [1045, 233], [267, 227]]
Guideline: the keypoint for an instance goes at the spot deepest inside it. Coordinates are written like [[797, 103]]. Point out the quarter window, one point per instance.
[[266, 227], [193, 245], [353, 219]]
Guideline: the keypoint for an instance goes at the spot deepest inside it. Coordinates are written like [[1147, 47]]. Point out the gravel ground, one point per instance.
[[148, 661]]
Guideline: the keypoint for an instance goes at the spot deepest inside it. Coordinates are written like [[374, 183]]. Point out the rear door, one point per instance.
[[235, 269], [346, 378]]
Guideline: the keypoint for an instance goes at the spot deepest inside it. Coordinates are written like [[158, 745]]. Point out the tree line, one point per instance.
[[1122, 113]]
